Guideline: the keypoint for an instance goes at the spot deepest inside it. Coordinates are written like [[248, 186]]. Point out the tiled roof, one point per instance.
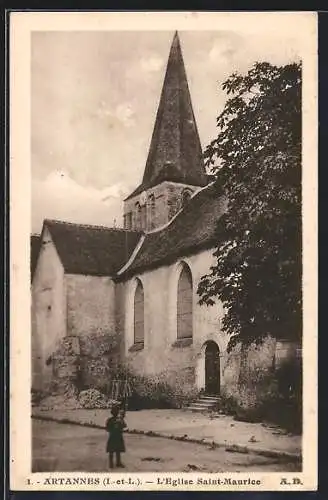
[[192, 229], [92, 250], [35, 247], [175, 152]]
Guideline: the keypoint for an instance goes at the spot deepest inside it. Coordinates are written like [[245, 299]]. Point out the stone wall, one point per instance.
[[175, 197], [247, 369], [231, 372], [78, 342], [253, 373], [91, 317], [167, 198], [100, 358], [48, 311], [85, 362], [65, 364], [90, 305], [120, 317], [286, 350]]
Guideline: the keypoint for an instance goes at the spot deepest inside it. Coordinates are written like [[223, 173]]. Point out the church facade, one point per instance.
[[139, 283]]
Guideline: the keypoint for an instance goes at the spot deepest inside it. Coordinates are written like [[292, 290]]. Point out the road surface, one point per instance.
[[71, 448]]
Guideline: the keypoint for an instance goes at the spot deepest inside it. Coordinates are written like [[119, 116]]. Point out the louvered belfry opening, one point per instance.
[[184, 305], [139, 314]]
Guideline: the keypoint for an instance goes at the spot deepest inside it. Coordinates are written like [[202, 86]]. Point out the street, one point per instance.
[[68, 448]]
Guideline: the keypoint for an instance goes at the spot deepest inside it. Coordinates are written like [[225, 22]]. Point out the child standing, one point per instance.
[[115, 442]]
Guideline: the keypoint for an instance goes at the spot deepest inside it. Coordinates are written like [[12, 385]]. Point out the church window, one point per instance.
[[133, 220], [128, 221], [143, 214], [139, 314], [184, 304], [152, 207], [138, 216]]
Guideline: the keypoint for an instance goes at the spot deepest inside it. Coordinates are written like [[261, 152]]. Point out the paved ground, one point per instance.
[[222, 430], [71, 448]]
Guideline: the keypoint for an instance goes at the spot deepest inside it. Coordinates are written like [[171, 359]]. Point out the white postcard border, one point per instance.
[[21, 26]]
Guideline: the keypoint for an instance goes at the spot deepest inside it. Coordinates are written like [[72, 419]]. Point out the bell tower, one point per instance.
[[174, 168]]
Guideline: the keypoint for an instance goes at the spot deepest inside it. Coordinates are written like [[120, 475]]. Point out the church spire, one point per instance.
[[175, 152]]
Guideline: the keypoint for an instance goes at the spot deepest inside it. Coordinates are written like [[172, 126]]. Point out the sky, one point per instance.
[[94, 97]]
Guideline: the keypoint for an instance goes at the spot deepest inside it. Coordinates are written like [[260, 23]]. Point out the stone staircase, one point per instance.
[[204, 404]]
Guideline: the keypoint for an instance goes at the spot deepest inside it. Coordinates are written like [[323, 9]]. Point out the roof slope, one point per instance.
[[92, 250], [175, 152], [35, 247], [193, 228]]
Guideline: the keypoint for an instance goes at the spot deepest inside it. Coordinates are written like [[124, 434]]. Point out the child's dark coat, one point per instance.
[[115, 442]]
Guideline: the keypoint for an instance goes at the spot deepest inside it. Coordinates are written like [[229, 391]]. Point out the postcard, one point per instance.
[[163, 251]]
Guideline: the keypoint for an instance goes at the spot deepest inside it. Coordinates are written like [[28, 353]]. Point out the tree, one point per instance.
[[256, 161]]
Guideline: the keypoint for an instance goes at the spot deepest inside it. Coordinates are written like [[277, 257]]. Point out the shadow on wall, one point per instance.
[[267, 388]]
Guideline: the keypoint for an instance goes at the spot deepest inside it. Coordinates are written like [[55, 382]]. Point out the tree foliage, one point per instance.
[[256, 160]]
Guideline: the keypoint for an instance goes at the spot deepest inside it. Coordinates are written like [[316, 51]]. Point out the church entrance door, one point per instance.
[[212, 368]]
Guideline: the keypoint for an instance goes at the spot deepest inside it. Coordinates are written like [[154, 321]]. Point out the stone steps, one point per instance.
[[203, 404]]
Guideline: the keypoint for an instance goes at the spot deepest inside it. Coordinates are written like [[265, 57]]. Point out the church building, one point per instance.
[[139, 284]]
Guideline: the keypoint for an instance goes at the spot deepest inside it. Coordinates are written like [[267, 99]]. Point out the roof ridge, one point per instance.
[[133, 255], [91, 226]]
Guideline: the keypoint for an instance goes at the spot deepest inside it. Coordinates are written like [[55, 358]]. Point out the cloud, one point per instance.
[[223, 49], [123, 113], [151, 64], [118, 190], [239, 53], [146, 68], [60, 197]]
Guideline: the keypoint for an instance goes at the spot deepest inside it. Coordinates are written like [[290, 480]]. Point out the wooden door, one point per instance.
[[212, 368]]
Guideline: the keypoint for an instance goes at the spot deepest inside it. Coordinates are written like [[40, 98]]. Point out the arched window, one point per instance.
[[128, 220], [139, 314], [152, 208], [184, 305], [143, 216], [137, 216]]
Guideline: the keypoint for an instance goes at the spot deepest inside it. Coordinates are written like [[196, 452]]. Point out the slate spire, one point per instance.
[[175, 146], [175, 152]]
